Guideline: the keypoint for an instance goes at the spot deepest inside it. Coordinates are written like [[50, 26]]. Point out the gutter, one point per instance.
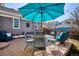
[[9, 14]]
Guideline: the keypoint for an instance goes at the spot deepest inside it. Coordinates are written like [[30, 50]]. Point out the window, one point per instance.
[[68, 22], [59, 23], [16, 23], [36, 25], [27, 24]]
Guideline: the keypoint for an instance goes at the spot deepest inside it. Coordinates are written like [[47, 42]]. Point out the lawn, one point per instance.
[[75, 48]]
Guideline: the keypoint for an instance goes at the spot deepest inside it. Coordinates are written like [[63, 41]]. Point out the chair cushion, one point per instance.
[[62, 36]]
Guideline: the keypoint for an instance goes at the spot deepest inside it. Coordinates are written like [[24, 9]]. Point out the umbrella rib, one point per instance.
[[50, 15], [39, 4], [34, 17], [29, 8], [55, 4], [29, 13], [54, 11]]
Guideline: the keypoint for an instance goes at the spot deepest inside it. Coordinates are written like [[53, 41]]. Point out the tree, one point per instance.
[[75, 14]]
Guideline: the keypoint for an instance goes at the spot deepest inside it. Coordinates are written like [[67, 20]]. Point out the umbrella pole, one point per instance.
[[33, 26], [41, 29]]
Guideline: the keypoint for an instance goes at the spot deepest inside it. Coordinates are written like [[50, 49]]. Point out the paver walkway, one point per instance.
[[16, 48]]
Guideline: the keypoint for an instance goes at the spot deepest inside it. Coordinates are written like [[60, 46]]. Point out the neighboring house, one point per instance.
[[11, 21], [51, 24], [70, 22]]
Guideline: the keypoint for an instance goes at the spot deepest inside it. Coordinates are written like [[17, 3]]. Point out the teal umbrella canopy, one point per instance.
[[41, 12]]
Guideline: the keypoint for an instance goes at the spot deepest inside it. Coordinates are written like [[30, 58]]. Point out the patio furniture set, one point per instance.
[[40, 42]]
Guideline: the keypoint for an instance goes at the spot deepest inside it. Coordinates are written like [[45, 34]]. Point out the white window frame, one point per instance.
[[14, 24], [36, 24]]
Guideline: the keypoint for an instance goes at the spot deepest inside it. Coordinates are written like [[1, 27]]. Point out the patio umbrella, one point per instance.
[[41, 12]]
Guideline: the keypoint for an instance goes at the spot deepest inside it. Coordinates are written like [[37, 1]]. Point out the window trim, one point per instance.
[[18, 25], [36, 24]]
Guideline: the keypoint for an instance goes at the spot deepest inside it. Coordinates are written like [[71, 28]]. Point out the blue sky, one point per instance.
[[68, 6], [14, 5]]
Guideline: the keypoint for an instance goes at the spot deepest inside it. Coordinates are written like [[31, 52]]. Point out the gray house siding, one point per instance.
[[6, 21], [6, 24]]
